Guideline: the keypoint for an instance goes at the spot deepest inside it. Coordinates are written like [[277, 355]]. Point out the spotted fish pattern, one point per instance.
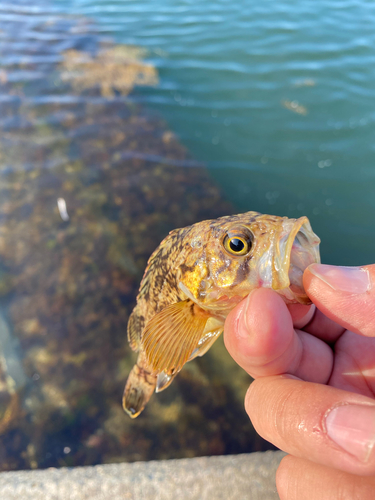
[[195, 277]]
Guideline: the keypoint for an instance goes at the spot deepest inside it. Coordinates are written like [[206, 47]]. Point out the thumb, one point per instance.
[[344, 294]]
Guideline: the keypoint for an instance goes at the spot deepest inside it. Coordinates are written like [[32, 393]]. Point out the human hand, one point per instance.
[[314, 392]]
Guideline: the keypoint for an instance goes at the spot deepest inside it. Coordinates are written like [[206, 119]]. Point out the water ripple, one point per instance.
[[234, 80]]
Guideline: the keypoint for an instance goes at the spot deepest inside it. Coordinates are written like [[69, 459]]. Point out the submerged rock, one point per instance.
[[88, 188], [119, 68]]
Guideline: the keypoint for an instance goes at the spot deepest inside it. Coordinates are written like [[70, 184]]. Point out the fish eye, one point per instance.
[[237, 244]]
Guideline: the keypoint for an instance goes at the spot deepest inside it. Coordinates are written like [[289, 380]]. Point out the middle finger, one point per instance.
[[332, 427]]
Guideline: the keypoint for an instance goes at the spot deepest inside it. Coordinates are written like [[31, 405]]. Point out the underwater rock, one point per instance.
[[69, 283], [119, 68]]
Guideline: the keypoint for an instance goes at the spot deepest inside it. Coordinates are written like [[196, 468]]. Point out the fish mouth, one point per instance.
[[297, 246]]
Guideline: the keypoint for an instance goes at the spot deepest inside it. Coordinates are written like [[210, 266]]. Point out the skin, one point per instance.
[[307, 361]]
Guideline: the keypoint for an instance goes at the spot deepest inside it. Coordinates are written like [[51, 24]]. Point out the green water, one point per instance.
[[228, 68]]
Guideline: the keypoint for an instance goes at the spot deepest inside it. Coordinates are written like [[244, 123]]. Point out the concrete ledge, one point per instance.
[[237, 477]]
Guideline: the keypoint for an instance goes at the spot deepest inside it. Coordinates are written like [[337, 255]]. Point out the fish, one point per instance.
[[195, 277]]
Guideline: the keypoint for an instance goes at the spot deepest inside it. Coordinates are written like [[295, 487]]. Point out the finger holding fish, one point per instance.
[[199, 274], [268, 344]]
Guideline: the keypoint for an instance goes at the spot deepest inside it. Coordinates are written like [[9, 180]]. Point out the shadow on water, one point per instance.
[[89, 184]]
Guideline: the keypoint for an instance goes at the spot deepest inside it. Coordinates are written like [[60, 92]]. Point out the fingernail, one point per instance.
[[301, 315], [345, 279], [352, 427]]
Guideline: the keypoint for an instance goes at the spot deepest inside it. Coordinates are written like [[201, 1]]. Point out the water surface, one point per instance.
[[245, 106], [231, 73]]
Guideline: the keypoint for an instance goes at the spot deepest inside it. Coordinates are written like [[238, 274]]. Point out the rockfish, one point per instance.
[[196, 276]]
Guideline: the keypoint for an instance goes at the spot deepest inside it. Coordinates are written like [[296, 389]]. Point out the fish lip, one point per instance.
[[282, 270]]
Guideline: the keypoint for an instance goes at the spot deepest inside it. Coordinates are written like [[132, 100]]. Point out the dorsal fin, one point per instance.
[[171, 336]]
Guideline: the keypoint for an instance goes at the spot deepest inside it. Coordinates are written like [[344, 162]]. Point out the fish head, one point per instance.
[[233, 255]]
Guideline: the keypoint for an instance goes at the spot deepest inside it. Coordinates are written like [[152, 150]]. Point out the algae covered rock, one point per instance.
[[90, 182], [117, 68]]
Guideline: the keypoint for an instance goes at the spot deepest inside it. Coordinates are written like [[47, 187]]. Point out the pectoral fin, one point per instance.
[[171, 336]]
